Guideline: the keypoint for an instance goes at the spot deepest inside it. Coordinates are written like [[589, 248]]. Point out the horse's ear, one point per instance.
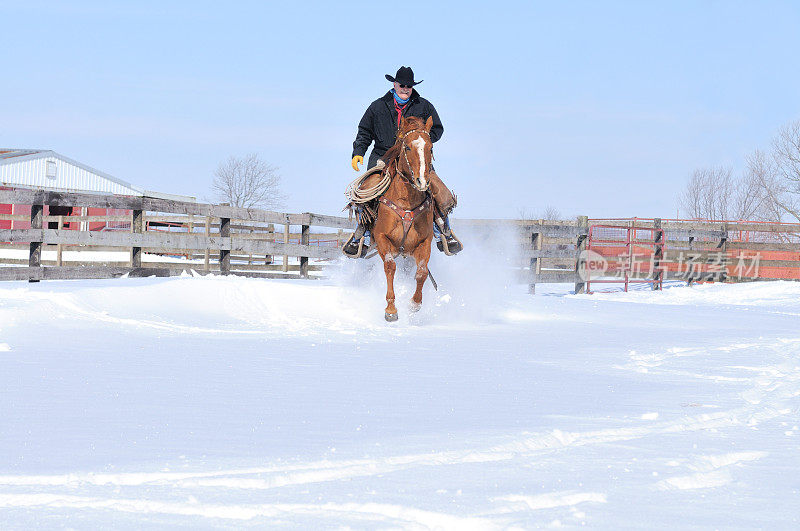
[[429, 123], [401, 125]]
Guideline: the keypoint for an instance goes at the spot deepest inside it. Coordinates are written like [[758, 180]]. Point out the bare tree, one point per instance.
[[550, 213], [714, 193], [784, 186], [709, 194], [757, 193], [248, 182], [767, 190]]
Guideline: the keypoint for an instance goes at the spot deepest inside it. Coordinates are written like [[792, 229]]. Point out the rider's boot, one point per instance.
[[447, 241], [358, 244], [445, 201]]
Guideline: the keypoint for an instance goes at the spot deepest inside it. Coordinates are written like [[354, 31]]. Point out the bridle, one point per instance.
[[410, 180]]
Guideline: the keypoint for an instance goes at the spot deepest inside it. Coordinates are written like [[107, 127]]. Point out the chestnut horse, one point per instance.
[[404, 221]]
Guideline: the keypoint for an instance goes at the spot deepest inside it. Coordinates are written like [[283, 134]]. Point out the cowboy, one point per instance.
[[380, 124]]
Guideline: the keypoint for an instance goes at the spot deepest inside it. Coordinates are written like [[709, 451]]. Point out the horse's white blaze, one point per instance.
[[419, 143]]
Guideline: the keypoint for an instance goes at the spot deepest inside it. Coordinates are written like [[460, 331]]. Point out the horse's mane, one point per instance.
[[409, 124]]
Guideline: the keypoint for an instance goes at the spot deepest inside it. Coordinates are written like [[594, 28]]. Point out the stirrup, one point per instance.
[[449, 243], [354, 246], [355, 249]]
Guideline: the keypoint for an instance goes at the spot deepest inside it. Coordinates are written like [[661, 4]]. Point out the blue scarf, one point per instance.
[[398, 99]]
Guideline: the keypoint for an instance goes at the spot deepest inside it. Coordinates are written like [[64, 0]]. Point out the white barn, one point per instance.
[[41, 169], [48, 170]]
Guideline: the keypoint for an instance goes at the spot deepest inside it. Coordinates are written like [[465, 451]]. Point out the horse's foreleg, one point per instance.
[[389, 267], [421, 277], [421, 256]]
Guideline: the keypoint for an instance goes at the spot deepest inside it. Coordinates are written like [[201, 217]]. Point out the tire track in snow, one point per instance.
[[775, 386], [551, 500], [376, 513], [713, 471], [324, 471]]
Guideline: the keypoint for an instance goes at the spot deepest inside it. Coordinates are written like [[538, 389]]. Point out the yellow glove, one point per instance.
[[358, 159]]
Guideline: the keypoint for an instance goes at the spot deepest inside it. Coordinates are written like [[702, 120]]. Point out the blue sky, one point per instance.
[[595, 108]]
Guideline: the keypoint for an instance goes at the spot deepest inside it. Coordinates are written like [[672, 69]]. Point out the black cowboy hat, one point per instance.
[[404, 76]]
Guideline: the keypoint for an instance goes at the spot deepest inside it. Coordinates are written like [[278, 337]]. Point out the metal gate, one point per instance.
[[629, 255]]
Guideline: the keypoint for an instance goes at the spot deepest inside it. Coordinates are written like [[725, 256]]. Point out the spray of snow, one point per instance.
[[474, 285]]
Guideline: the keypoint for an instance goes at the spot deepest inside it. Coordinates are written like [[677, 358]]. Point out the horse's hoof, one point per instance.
[[415, 307], [390, 317]]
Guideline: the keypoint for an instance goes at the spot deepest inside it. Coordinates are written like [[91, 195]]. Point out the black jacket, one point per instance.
[[379, 123]]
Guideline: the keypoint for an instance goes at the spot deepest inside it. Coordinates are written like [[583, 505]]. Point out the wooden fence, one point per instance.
[[215, 238], [653, 250], [547, 251], [251, 242]]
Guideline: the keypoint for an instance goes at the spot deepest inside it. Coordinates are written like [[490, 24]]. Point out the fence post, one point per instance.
[[285, 241], [658, 255], [580, 256], [304, 240], [207, 253], [224, 254], [723, 254], [536, 260], [60, 247], [35, 252], [136, 228], [689, 279], [271, 230], [250, 255], [190, 230]]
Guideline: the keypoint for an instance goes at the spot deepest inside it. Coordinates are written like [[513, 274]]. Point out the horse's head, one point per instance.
[[416, 151]]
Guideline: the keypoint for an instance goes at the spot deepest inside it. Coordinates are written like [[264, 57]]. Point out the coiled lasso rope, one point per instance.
[[355, 194]]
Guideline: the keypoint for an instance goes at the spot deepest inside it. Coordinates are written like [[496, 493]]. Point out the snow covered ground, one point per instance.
[[229, 402]]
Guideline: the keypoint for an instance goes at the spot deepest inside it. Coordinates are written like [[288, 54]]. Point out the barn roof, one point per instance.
[[24, 167], [11, 153]]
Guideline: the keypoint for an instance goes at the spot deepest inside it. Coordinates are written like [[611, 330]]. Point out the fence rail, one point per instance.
[[242, 241], [252, 242]]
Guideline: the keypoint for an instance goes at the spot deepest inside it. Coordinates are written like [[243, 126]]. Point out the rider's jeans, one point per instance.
[[437, 232]]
